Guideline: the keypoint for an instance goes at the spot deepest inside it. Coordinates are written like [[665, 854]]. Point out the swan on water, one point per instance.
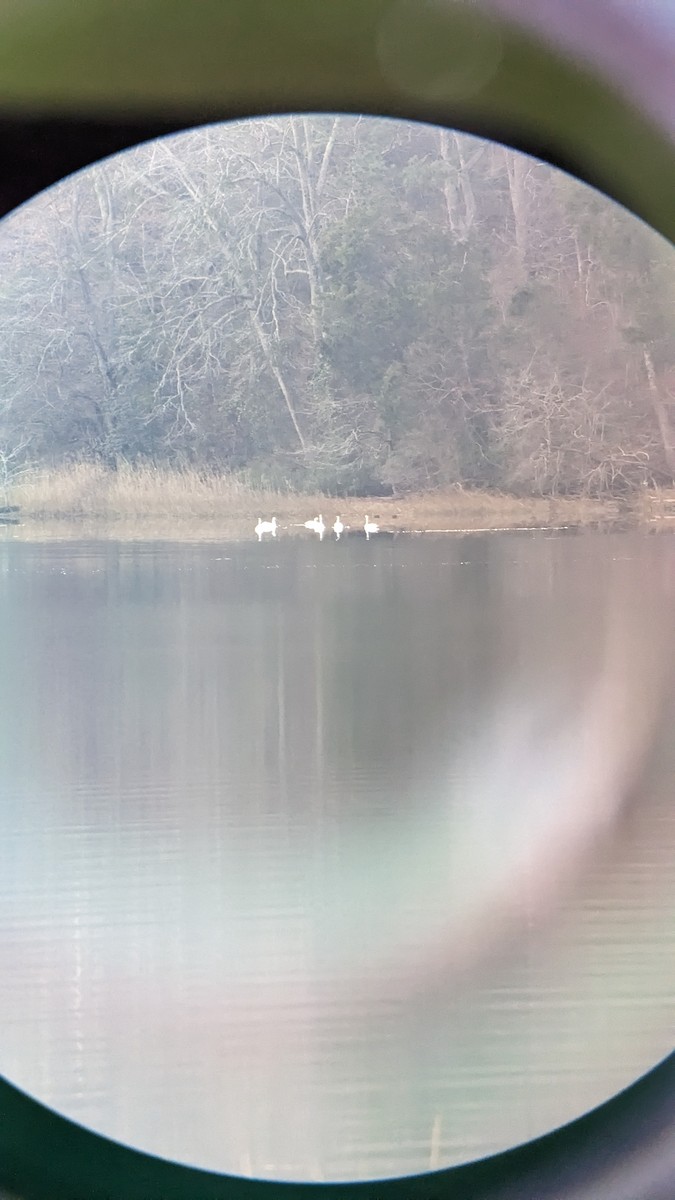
[[317, 525], [266, 527], [370, 527], [338, 527]]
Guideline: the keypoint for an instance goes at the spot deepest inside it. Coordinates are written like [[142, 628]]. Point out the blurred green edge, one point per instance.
[[213, 59]]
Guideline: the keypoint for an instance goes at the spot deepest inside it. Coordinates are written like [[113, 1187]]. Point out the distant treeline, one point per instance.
[[340, 304]]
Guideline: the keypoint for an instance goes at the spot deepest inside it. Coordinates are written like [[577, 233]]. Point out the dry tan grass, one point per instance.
[[93, 492], [175, 499], [656, 505], [454, 509]]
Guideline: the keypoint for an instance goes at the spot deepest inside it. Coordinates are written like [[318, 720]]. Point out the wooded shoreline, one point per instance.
[[337, 305]]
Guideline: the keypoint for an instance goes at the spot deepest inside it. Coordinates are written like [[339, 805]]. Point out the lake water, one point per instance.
[[336, 860]]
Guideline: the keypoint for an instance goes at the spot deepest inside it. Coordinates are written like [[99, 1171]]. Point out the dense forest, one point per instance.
[[355, 305]]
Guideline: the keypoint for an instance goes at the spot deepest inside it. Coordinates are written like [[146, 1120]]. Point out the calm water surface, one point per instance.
[[336, 860]]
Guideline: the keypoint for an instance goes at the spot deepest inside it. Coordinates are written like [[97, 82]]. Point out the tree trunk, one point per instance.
[[516, 167], [661, 413]]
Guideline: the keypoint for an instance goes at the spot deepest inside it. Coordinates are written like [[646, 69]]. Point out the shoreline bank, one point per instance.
[[154, 502]]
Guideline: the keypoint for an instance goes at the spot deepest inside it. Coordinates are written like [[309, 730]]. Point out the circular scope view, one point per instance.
[[337, 598]]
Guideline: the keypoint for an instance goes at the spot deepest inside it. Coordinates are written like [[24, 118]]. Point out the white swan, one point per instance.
[[266, 527], [338, 528], [316, 525], [370, 527]]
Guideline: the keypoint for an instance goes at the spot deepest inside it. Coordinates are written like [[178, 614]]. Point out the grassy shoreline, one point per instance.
[[162, 502]]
